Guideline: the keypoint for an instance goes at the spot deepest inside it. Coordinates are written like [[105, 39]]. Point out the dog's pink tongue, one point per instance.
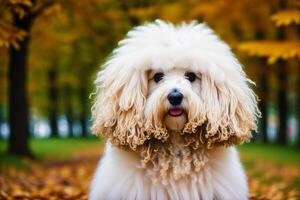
[[175, 112]]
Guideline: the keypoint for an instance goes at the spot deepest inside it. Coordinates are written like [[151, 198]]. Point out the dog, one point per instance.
[[172, 101]]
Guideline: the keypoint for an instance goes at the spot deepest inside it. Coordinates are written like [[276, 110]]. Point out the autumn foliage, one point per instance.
[[275, 50]]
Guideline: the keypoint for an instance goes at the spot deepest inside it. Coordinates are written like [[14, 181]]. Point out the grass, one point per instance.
[[48, 148], [272, 166], [62, 148], [268, 152]]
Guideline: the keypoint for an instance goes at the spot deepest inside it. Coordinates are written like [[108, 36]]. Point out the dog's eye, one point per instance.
[[190, 76], [158, 77]]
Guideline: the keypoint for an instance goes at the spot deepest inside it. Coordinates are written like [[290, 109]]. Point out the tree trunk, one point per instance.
[[282, 74], [264, 92], [263, 107], [298, 99], [83, 102], [18, 104], [69, 109], [2, 121], [53, 100], [282, 103]]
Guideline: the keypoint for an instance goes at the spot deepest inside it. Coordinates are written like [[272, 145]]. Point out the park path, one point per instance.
[[70, 179]]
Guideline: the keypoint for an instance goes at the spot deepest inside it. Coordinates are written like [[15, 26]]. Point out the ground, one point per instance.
[[63, 170]]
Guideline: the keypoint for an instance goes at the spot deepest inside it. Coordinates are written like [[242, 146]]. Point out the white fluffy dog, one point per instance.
[[171, 100]]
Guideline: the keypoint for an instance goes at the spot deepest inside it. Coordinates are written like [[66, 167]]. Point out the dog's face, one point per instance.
[[175, 91], [164, 80]]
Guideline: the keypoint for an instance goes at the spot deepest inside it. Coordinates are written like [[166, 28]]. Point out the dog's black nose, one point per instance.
[[175, 97]]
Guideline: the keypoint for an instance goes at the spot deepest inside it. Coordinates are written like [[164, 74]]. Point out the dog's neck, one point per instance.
[[174, 160], [175, 124]]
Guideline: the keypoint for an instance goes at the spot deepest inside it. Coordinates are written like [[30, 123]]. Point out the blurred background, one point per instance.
[[51, 50]]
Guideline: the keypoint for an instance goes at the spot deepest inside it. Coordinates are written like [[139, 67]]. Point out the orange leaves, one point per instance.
[[21, 2], [286, 17], [269, 181], [19, 7], [273, 50], [70, 179], [143, 13], [54, 9], [52, 180], [173, 12], [10, 36]]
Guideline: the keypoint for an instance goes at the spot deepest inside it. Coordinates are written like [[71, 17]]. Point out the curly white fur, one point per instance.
[[152, 155]]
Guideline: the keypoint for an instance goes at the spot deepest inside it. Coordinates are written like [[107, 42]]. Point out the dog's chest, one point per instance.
[[140, 185], [120, 177], [183, 174]]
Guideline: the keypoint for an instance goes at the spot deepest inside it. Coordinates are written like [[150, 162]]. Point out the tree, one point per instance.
[[53, 99], [279, 51], [3, 88], [23, 13], [18, 105]]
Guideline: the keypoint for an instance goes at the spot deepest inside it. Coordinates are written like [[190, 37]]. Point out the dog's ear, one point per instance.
[[118, 109], [231, 111]]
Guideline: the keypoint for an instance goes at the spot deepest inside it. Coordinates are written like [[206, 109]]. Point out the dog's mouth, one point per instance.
[[175, 112]]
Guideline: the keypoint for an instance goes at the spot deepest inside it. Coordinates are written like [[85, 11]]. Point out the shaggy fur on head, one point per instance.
[[130, 113]]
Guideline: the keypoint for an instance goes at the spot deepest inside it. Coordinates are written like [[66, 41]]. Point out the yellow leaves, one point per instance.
[[204, 9], [172, 12], [49, 179], [21, 2], [55, 9], [19, 7], [143, 13], [270, 181], [273, 50], [10, 36], [19, 11], [286, 17], [70, 178]]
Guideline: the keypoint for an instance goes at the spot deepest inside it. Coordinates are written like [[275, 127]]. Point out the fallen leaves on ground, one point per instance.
[[49, 180], [269, 181], [70, 180]]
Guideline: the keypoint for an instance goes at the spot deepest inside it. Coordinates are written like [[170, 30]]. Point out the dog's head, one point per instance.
[[164, 80]]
